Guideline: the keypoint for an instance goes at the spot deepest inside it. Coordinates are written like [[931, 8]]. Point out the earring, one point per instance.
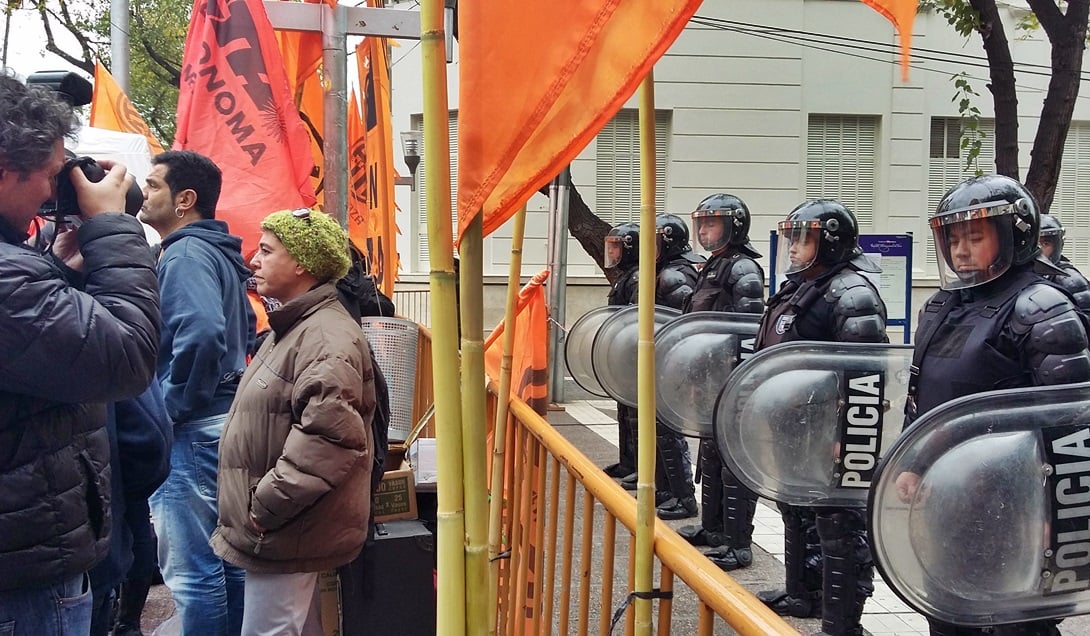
[[178, 212]]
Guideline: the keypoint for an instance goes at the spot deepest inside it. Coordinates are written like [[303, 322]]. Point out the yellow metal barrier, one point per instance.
[[555, 579]]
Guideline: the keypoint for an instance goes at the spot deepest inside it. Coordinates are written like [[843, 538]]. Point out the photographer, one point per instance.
[[78, 328]]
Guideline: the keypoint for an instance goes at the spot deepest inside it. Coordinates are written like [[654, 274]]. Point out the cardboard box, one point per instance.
[[423, 460], [395, 497]]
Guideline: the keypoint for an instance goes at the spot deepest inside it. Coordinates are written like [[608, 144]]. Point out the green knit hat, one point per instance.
[[314, 239]]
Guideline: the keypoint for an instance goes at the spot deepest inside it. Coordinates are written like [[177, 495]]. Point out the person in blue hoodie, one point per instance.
[[207, 332]]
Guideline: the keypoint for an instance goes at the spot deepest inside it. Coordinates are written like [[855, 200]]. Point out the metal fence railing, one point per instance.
[[569, 541]]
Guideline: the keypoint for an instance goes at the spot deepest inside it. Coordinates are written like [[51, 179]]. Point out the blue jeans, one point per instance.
[[63, 609], [207, 591]]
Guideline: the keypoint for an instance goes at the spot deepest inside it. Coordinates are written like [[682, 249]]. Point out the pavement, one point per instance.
[[589, 422]]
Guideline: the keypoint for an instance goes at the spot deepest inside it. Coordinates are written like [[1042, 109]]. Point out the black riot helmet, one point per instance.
[[824, 225], [721, 220], [622, 246], [1052, 238], [993, 207], [671, 237]]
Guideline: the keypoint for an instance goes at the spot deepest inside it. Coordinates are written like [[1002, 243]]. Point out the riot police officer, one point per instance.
[[996, 323], [826, 297], [732, 280], [622, 251], [1052, 247], [676, 278]]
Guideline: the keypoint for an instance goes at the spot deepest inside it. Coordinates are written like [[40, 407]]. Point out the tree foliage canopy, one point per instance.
[[157, 31]]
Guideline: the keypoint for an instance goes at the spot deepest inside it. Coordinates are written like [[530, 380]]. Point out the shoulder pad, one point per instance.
[[1038, 303], [864, 263], [1055, 335]]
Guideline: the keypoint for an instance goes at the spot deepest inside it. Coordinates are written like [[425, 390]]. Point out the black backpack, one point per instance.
[[357, 292]]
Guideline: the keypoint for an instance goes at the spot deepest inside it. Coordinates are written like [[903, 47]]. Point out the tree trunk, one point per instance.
[[587, 228], [1067, 34], [1002, 87]]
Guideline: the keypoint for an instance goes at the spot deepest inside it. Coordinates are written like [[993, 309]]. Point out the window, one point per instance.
[[421, 194], [841, 153], [617, 156], [946, 167], [1072, 193]]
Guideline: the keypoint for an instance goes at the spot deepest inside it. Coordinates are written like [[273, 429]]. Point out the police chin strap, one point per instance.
[[655, 593]]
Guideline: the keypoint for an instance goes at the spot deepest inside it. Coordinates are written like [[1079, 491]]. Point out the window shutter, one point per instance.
[[617, 160], [1072, 193], [423, 252], [841, 153]]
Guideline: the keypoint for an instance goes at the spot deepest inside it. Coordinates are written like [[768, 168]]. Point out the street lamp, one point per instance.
[[412, 143]]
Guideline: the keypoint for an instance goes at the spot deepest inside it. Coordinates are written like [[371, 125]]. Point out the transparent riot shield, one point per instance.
[[613, 354], [694, 354], [804, 423], [577, 348], [980, 512]]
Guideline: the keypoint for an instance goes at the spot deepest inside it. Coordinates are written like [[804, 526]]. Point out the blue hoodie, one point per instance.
[[208, 324]]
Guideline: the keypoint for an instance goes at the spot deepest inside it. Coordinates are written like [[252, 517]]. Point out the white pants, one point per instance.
[[282, 605]]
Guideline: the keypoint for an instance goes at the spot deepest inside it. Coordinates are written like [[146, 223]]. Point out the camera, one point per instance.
[[66, 203]]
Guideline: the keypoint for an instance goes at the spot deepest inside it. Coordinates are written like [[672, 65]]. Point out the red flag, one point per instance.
[[530, 357], [524, 116], [235, 106], [902, 13], [111, 109]]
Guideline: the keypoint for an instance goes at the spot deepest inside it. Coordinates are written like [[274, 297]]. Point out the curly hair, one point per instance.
[[32, 120]]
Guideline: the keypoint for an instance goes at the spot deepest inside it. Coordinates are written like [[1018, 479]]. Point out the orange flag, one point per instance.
[[235, 106], [111, 109], [530, 358], [361, 224], [302, 54], [902, 13], [523, 117], [371, 61]]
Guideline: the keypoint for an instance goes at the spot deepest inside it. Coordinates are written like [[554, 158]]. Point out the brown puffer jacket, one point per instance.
[[297, 447]]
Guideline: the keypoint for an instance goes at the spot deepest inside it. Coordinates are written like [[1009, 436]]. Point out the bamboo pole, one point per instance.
[[499, 428], [474, 453], [450, 595], [645, 363]]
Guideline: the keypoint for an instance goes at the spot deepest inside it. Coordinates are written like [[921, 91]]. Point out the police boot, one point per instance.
[[848, 571], [739, 506], [677, 476], [626, 443], [130, 607], [802, 596], [710, 530]]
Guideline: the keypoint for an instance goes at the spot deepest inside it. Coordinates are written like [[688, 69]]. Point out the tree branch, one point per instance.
[[1002, 86]]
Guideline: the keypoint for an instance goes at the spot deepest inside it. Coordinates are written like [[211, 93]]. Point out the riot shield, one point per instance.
[[578, 345], [694, 354], [804, 423], [613, 354], [980, 512]]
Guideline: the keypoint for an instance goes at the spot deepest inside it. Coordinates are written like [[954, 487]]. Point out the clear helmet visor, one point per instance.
[[1052, 245], [973, 245], [712, 229], [797, 246], [614, 251]]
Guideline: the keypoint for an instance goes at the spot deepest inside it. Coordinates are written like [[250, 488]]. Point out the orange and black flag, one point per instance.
[[112, 109], [902, 13], [374, 73], [524, 117], [302, 55], [235, 106], [530, 358], [362, 227]]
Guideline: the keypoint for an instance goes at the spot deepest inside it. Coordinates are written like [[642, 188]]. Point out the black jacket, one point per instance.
[[65, 350]]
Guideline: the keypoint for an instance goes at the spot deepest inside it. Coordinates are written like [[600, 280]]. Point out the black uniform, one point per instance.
[[990, 337], [624, 292], [829, 568], [676, 281], [1073, 283], [731, 281]]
